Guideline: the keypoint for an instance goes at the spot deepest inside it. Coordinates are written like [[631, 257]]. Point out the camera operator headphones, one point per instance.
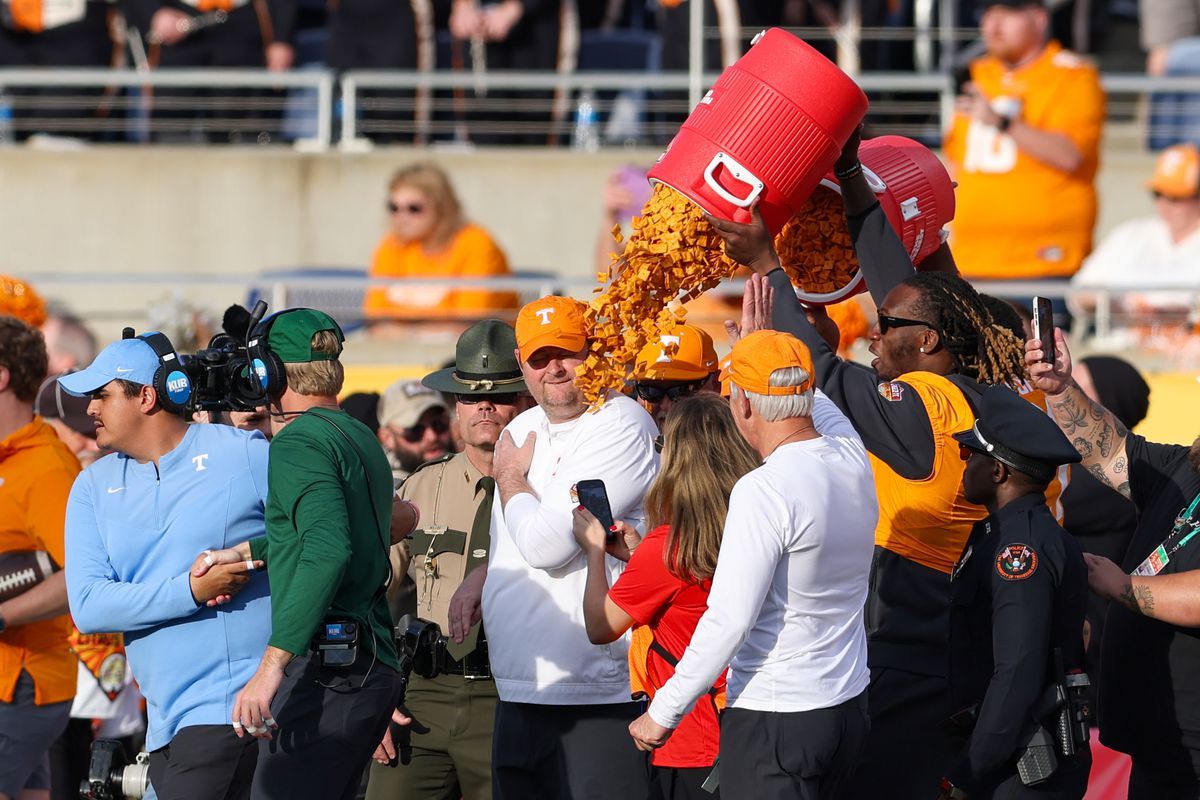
[[269, 376], [171, 382]]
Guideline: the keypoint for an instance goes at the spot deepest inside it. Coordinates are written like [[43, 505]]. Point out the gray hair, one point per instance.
[[773, 408]]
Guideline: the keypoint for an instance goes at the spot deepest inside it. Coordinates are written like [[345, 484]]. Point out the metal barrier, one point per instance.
[[169, 105], [625, 108], [291, 291]]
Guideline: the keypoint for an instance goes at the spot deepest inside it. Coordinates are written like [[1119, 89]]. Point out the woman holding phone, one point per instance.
[[664, 589]]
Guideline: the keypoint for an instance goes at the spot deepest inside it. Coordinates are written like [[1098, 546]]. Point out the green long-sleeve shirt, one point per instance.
[[327, 531]]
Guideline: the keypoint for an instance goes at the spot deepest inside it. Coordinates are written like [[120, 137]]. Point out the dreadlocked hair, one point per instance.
[[980, 348]]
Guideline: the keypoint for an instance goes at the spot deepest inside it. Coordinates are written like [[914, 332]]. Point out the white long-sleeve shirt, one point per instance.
[[1140, 254], [787, 597], [533, 597]]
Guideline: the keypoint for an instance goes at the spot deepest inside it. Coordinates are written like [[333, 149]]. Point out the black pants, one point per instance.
[[522, 115], [326, 735], [680, 783], [1167, 776], [208, 761], [567, 753], [376, 34], [233, 113], [72, 111], [806, 755], [1069, 782], [908, 750]]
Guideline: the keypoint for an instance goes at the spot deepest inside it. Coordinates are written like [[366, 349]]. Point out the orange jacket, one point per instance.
[[36, 474], [1017, 217], [471, 254]]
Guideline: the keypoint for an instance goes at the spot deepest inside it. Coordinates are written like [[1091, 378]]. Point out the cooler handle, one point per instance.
[[740, 173]]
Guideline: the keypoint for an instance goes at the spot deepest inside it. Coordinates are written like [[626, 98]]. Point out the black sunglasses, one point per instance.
[[1170, 198], [502, 399], [886, 323], [659, 443], [655, 394], [416, 432], [411, 208]]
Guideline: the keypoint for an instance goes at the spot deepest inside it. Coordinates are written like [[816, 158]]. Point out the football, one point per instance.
[[21, 570]]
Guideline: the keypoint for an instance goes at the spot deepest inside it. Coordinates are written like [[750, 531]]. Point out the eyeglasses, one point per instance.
[[410, 208], [886, 323], [416, 432], [965, 452], [655, 394], [502, 399], [659, 443], [1169, 198]]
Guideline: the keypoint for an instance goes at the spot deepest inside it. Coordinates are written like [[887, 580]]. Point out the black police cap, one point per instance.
[[1017, 433]]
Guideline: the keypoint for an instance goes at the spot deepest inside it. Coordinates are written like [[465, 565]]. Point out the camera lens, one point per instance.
[[349, 628]]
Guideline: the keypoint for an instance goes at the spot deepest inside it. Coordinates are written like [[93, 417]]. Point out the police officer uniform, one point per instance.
[[1019, 597], [446, 751]]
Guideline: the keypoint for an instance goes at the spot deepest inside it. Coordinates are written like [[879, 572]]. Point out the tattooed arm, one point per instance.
[[1173, 599], [1099, 436]]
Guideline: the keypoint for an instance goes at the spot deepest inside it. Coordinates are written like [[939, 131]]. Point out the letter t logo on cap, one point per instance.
[[544, 315]]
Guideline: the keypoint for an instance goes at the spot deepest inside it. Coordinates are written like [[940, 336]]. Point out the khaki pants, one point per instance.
[[448, 750]]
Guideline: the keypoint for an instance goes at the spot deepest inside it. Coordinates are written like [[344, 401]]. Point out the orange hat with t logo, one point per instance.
[[684, 354], [551, 321], [756, 356], [1177, 172]]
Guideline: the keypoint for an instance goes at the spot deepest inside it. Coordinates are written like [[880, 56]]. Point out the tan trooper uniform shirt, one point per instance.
[[448, 492]]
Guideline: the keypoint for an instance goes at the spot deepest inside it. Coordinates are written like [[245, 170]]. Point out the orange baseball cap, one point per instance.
[[1177, 172], [756, 356], [685, 354], [551, 321], [724, 377]]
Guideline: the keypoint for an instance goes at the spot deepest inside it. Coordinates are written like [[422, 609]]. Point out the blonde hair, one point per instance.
[[703, 457], [322, 378], [432, 182]]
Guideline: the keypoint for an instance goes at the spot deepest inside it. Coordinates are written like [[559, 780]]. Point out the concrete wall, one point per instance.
[[234, 212]]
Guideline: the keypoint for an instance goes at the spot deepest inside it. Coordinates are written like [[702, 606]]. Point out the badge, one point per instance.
[[1016, 562], [962, 562], [1154, 562], [891, 391]]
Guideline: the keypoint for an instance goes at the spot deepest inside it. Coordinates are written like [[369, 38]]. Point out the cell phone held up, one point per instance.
[[594, 497], [1043, 328]]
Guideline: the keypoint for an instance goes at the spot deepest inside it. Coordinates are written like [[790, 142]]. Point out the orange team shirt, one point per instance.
[[36, 473], [1016, 217], [470, 254]]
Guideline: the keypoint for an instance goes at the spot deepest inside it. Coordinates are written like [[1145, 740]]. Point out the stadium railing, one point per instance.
[[314, 109]]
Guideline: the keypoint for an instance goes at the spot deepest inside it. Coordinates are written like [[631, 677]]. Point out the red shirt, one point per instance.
[[671, 608]]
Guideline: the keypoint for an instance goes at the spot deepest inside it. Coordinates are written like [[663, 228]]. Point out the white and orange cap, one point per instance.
[[756, 356], [684, 354], [551, 321], [1177, 172]]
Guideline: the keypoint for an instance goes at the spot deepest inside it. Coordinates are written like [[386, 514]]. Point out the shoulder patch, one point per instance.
[[891, 391], [1016, 562], [1068, 60], [441, 460]]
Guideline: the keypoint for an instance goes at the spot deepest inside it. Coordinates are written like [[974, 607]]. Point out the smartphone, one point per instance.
[[1043, 328], [961, 75], [594, 497]]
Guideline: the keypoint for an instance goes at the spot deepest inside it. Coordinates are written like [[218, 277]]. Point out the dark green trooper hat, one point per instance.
[[484, 362], [291, 332]]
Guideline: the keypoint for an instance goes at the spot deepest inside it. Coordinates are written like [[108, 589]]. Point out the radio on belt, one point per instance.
[[337, 643]]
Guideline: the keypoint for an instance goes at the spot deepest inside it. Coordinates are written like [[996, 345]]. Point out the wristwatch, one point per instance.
[[952, 791], [1004, 124]]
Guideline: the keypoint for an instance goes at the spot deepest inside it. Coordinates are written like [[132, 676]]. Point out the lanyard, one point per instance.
[[1186, 527]]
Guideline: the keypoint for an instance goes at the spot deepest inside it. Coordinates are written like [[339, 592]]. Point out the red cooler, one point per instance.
[[770, 128], [915, 193]]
